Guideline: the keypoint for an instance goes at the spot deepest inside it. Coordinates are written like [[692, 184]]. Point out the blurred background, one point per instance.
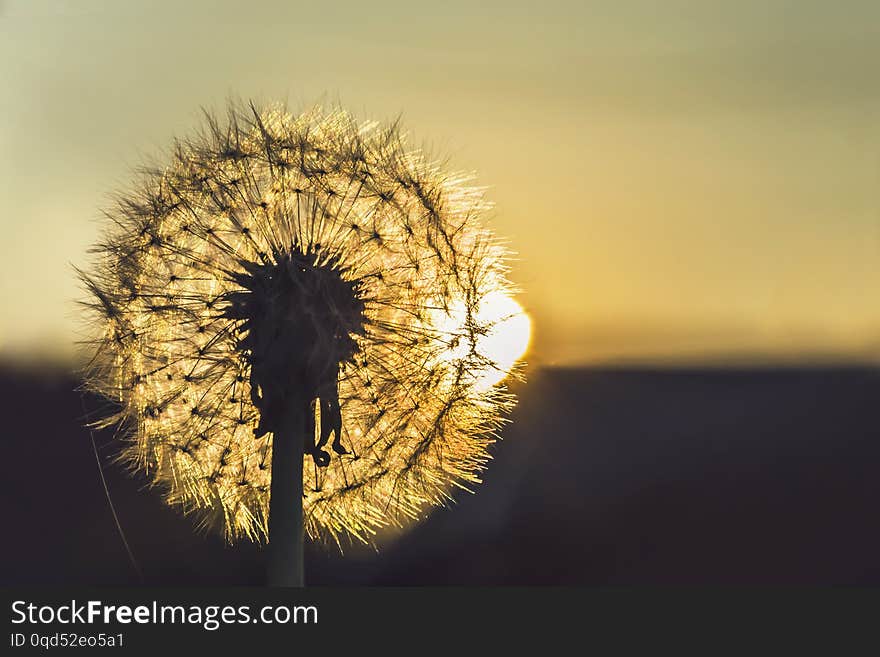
[[692, 191]]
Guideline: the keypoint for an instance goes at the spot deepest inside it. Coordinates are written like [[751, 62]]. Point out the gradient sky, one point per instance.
[[682, 180]]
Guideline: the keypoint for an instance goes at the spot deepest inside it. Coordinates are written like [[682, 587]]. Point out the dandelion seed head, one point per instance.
[[313, 252]]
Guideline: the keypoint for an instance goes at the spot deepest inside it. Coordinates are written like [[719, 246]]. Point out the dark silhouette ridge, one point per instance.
[[605, 477]]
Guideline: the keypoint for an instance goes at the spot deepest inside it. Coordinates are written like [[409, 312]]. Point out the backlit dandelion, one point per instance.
[[303, 308]]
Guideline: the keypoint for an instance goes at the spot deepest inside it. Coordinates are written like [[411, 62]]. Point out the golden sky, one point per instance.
[[685, 180]]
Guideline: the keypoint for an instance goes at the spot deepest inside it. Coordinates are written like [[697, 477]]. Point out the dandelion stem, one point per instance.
[[285, 549]]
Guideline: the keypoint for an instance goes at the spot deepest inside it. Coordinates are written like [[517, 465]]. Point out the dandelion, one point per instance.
[[296, 321]]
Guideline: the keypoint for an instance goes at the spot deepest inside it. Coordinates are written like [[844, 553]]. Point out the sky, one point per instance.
[[682, 181]]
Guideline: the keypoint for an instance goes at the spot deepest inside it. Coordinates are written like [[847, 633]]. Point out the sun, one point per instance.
[[503, 344]]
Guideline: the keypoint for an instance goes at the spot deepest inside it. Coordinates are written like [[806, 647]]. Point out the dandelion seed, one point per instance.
[[303, 279]]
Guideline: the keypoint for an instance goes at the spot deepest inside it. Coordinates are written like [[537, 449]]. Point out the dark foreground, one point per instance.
[[608, 477]]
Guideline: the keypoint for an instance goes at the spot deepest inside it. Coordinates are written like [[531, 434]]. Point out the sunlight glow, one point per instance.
[[504, 331]]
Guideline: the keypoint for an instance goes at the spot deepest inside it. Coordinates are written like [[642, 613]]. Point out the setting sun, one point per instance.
[[504, 343]]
